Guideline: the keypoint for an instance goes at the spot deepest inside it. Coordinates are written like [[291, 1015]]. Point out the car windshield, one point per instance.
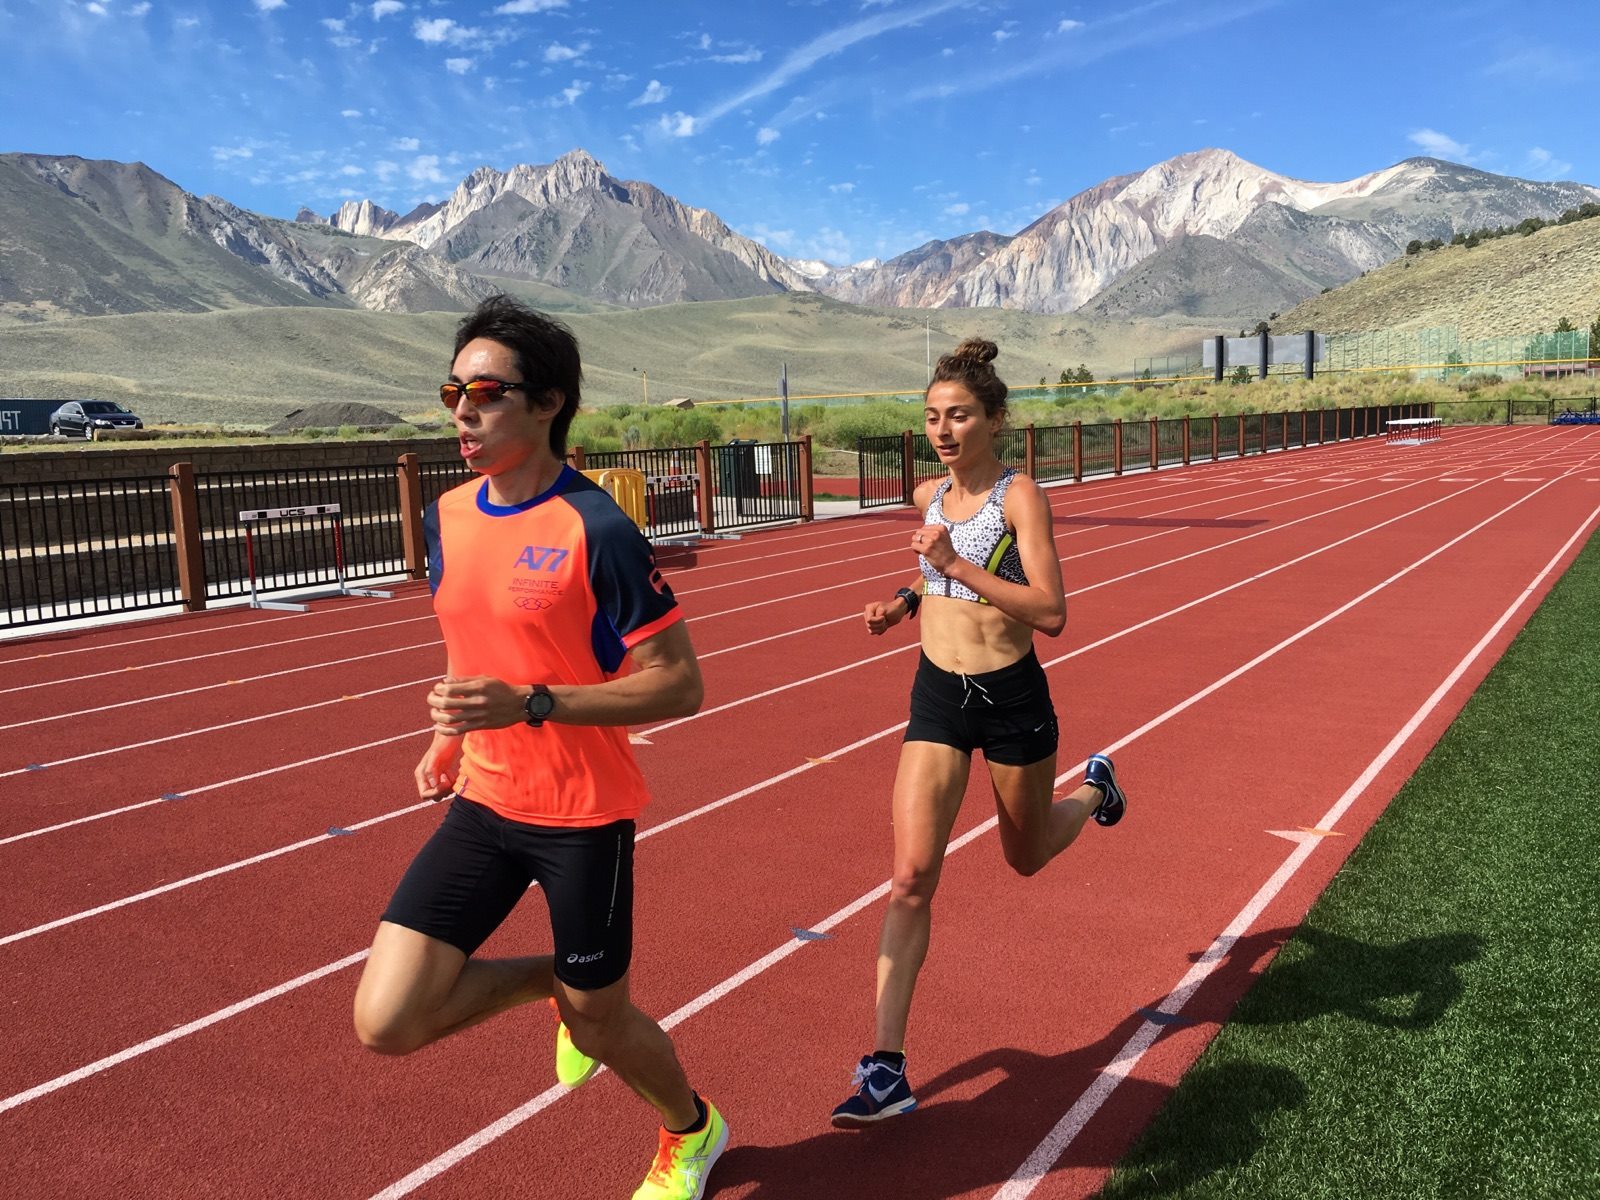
[[100, 407]]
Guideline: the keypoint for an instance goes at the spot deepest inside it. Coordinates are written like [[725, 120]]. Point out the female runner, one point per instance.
[[989, 578]]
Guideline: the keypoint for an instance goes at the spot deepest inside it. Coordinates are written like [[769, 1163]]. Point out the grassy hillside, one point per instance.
[[250, 366], [1507, 285]]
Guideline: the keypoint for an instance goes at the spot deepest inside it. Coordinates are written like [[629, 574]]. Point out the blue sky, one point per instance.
[[836, 129]]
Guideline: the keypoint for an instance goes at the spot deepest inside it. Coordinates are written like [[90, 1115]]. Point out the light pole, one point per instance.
[[927, 346]]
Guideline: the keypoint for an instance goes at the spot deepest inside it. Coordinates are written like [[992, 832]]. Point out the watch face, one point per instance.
[[539, 705]]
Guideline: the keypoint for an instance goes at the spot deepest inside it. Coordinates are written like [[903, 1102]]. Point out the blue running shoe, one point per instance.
[[1113, 803], [881, 1091]]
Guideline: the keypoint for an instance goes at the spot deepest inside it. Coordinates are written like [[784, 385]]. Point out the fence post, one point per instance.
[[186, 536], [907, 480], [1155, 445], [1216, 422], [1116, 446], [1266, 417], [1240, 441], [1303, 429], [1077, 452], [808, 495], [1186, 424], [577, 458], [702, 490], [1285, 438], [408, 478], [1322, 433], [1029, 454]]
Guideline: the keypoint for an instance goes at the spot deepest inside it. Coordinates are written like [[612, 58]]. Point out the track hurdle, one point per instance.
[[1413, 431], [251, 517]]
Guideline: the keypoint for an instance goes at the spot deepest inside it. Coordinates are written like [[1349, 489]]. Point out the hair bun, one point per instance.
[[976, 350]]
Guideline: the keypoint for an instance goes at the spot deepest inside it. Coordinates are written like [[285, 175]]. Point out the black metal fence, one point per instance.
[[671, 486], [85, 549], [362, 541], [891, 467]]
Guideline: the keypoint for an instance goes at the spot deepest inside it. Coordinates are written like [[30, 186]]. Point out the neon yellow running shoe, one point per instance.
[[683, 1160], [573, 1066]]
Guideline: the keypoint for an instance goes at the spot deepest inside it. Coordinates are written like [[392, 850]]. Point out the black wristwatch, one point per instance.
[[539, 705], [912, 599]]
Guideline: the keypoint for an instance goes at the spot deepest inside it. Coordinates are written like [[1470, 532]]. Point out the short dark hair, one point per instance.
[[546, 352], [971, 364]]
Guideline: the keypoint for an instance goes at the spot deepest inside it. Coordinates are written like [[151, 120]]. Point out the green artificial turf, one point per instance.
[[1431, 1030]]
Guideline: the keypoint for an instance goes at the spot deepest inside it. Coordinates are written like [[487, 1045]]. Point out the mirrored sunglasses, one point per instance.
[[479, 391]]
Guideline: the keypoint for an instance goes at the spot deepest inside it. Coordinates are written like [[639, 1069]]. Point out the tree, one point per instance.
[[1565, 326], [1066, 377], [1262, 327], [1241, 374], [1082, 375], [1594, 339], [1458, 239], [1432, 244], [1414, 246]]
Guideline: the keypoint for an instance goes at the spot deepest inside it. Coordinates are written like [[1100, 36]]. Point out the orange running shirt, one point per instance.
[[554, 591]]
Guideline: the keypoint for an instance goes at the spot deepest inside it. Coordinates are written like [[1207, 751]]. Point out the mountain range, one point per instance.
[[1205, 234]]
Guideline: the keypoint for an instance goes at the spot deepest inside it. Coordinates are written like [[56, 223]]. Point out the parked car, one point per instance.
[[80, 418]]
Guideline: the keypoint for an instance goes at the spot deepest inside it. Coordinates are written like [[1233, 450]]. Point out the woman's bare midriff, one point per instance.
[[970, 638]]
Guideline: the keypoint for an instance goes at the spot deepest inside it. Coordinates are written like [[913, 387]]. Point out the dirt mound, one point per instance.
[[333, 416]]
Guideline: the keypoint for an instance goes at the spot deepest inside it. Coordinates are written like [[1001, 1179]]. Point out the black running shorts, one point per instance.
[[1007, 713], [470, 874]]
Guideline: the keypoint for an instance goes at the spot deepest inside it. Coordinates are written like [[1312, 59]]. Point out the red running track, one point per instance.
[[202, 818]]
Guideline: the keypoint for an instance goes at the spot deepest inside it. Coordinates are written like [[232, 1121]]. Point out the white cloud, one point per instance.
[[139, 10], [569, 95], [425, 169], [781, 238], [520, 7], [458, 66], [744, 56], [834, 41], [350, 171], [442, 31], [1004, 35], [1068, 26], [267, 6], [830, 245], [333, 24], [407, 144], [555, 52], [766, 135], [1440, 145], [186, 22], [385, 170], [97, 9], [677, 125], [385, 8], [350, 112], [957, 210], [223, 154], [654, 93], [1541, 164], [837, 188]]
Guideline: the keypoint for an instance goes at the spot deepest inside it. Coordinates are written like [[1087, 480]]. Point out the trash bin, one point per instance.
[[736, 471]]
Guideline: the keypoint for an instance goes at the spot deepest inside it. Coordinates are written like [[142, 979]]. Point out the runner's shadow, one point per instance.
[[951, 1147], [1408, 985]]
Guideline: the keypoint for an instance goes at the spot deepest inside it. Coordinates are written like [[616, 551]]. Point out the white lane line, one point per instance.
[[210, 787], [172, 1035], [208, 687], [226, 868], [188, 733], [1049, 1151], [228, 653]]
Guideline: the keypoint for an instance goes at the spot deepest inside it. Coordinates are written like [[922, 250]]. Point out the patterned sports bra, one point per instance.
[[983, 539]]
